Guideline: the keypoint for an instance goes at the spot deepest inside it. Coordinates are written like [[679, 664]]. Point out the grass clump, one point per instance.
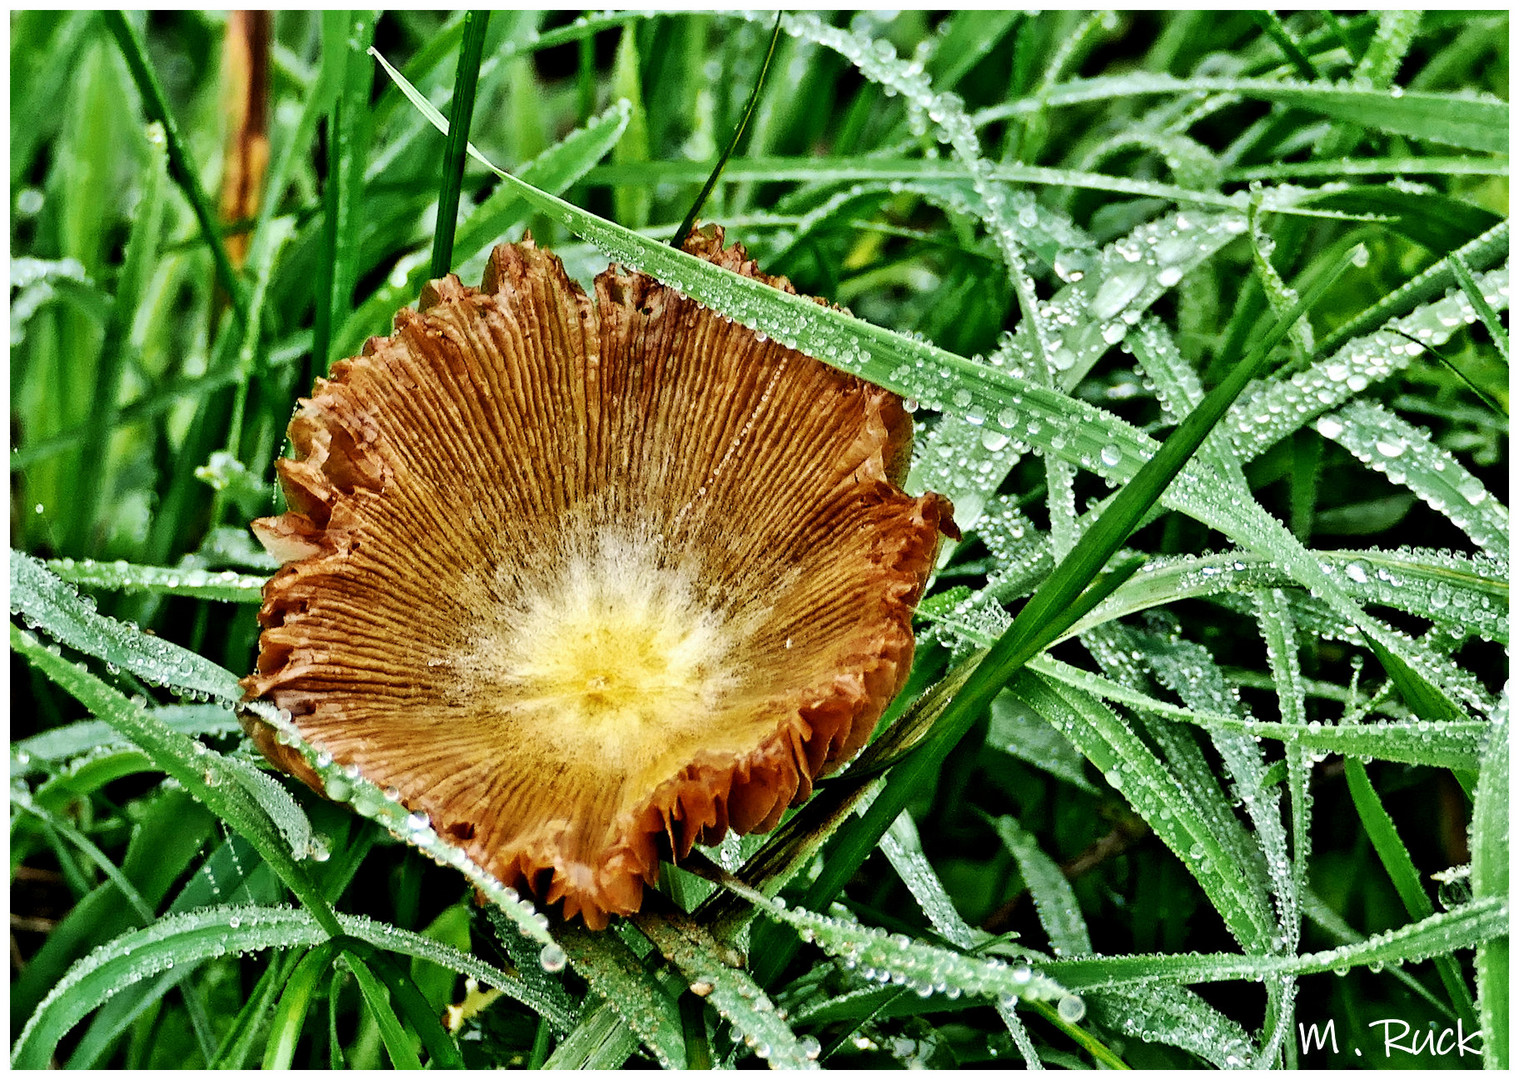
[[1203, 315]]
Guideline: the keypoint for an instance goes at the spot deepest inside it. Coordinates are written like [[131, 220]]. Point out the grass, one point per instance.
[[1204, 317]]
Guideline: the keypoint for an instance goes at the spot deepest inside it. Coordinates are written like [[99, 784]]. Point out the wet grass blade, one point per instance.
[[470, 51], [188, 762], [157, 106], [1490, 859], [1480, 305]]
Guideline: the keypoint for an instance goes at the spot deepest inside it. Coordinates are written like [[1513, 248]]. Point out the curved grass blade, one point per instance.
[[45, 602], [738, 133], [1441, 934], [1481, 253], [1463, 120], [1479, 303], [602, 1040], [927, 968], [397, 1043], [203, 772], [225, 585], [692, 949], [1410, 458], [91, 736]]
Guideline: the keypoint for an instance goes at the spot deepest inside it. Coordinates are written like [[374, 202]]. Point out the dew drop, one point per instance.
[[552, 958]]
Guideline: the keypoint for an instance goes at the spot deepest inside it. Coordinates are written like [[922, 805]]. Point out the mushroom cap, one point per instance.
[[589, 582]]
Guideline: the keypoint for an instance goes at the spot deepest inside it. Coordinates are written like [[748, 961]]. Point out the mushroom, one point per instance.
[[587, 583]]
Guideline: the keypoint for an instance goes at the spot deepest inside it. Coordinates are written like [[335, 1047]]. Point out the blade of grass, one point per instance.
[[136, 55], [632, 201], [177, 755], [465, 80], [1405, 878], [294, 1004], [237, 1044], [1479, 303], [346, 35], [397, 1043], [1471, 123], [119, 340], [1271, 22], [738, 133], [1490, 875], [1440, 934], [441, 1051], [615, 973]]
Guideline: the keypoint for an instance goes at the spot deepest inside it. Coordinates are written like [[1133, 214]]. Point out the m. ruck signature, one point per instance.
[[1396, 1036]]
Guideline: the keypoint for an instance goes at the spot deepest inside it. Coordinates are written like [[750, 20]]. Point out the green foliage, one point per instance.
[[1203, 319]]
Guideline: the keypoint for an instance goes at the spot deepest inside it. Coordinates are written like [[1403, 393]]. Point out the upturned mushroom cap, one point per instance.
[[589, 582]]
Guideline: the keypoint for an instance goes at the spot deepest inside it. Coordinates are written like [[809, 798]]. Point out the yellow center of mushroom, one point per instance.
[[608, 642]]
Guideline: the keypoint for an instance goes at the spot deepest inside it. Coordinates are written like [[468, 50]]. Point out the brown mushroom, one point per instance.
[[587, 583]]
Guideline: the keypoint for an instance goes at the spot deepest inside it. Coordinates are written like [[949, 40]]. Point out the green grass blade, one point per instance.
[[602, 1040], [91, 736], [1271, 22], [46, 602], [922, 965], [1490, 876], [700, 959], [1484, 251], [616, 974], [295, 1003], [247, 1025], [224, 585], [1465, 121], [1479, 303], [1059, 913], [631, 201], [1405, 878], [346, 38], [157, 105], [442, 1053], [397, 1043], [1467, 926], [465, 80], [120, 341]]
